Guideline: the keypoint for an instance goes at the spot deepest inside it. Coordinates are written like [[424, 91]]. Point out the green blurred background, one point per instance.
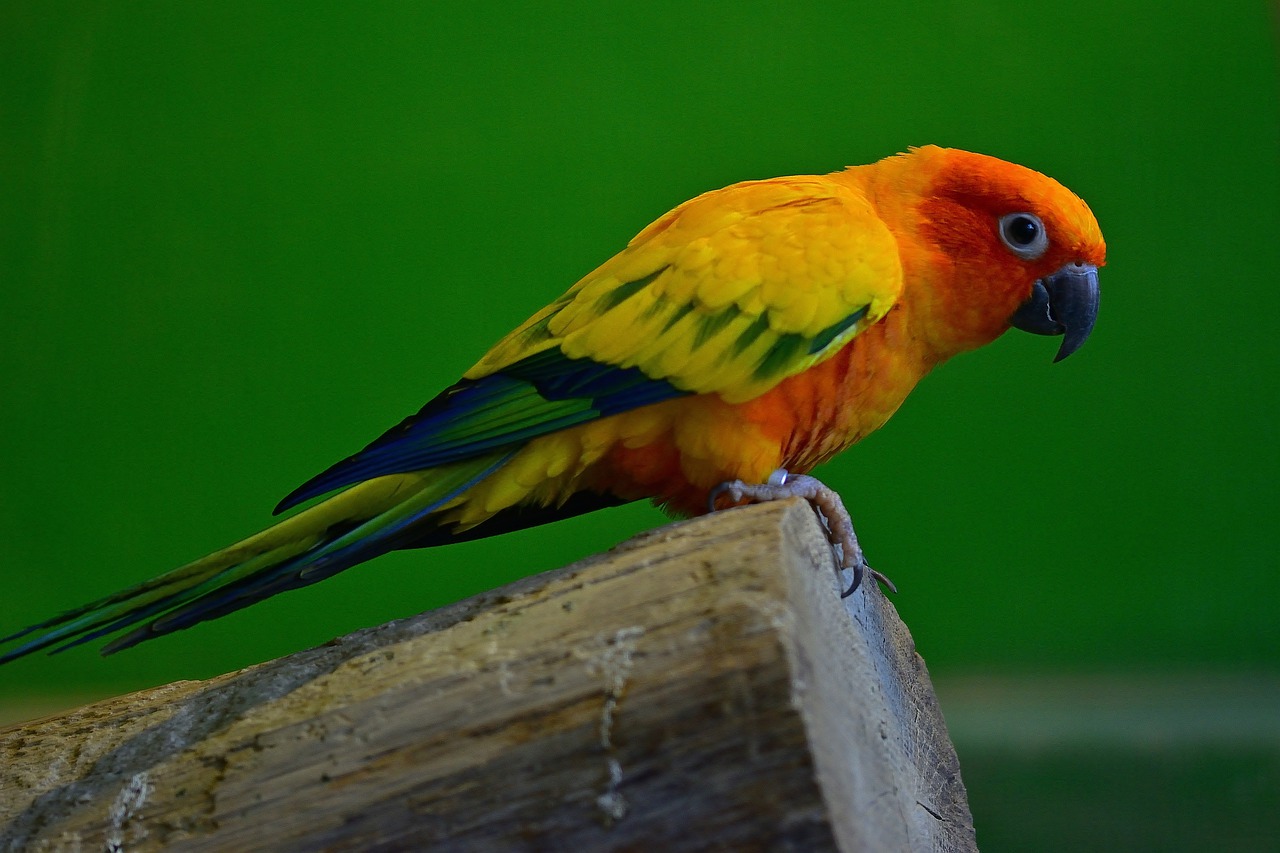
[[239, 240]]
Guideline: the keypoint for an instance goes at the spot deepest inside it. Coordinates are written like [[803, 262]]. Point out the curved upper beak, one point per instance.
[[1064, 303]]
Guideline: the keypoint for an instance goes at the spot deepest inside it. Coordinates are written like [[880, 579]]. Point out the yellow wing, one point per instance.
[[729, 293]]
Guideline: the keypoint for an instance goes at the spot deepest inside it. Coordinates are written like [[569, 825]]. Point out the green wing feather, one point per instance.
[[729, 293], [361, 523]]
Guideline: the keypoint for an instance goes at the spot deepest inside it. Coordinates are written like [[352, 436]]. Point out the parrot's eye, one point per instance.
[[1024, 234]]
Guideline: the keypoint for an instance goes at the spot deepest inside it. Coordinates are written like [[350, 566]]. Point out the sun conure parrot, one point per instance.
[[735, 343]]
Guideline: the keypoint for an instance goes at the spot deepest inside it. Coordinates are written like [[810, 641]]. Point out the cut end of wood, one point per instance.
[[700, 686]]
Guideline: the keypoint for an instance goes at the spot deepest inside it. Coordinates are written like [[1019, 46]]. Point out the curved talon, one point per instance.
[[827, 504], [857, 581], [884, 580]]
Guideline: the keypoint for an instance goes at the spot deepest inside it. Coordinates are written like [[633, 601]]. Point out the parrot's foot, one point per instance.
[[825, 502]]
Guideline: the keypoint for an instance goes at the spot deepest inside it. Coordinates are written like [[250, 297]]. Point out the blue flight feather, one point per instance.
[[545, 392]]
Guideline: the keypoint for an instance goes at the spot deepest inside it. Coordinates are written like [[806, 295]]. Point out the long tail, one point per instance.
[[367, 520]]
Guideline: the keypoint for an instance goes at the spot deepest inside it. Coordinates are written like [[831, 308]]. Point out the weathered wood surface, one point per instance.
[[700, 687]]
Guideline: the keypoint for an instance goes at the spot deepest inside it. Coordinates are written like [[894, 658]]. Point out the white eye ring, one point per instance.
[[1024, 234]]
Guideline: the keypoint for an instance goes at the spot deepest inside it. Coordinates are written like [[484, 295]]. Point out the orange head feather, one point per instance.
[[956, 216]]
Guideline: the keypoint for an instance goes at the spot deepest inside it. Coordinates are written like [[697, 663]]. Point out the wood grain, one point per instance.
[[702, 686]]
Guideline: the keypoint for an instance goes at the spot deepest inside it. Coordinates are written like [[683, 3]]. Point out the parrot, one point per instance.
[[738, 341]]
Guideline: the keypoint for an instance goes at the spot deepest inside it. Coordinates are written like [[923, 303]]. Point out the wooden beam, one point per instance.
[[700, 686]]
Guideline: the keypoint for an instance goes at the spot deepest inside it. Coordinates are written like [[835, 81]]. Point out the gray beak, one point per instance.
[[1064, 303]]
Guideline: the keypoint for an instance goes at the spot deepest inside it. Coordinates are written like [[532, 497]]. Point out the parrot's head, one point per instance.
[[1003, 246]]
